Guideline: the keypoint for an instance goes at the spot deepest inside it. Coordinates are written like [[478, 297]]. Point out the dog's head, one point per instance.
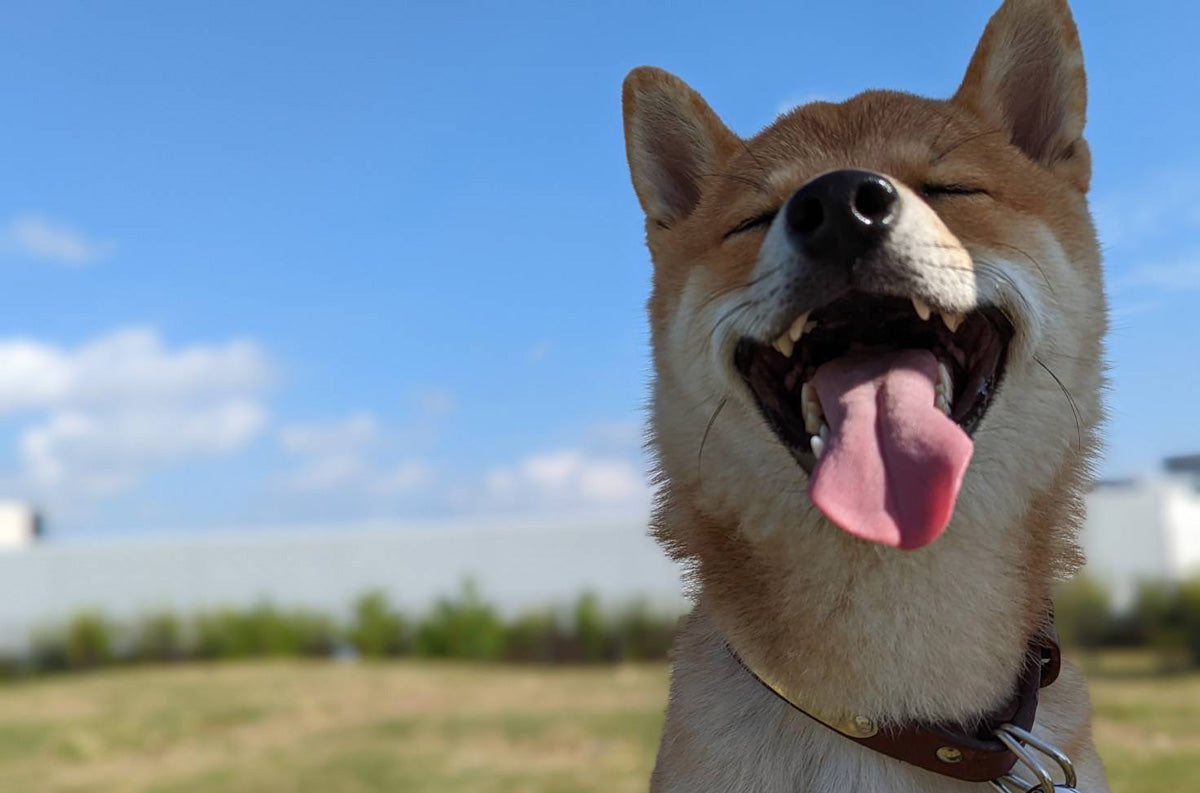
[[889, 309]]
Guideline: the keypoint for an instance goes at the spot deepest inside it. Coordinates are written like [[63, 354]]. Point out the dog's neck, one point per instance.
[[847, 628]]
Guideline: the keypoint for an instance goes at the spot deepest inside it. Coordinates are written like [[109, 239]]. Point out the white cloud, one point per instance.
[[339, 437], [99, 417], [40, 238], [337, 457], [433, 401], [564, 480], [403, 478], [629, 434], [123, 368], [95, 454]]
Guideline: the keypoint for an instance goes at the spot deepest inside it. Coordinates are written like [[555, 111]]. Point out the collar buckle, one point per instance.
[[1019, 741]]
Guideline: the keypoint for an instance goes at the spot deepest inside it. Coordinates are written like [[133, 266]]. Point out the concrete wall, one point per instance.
[[1147, 529], [1183, 518], [1125, 536], [516, 564], [18, 526]]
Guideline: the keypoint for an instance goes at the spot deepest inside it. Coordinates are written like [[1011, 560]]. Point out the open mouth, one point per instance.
[[876, 398]]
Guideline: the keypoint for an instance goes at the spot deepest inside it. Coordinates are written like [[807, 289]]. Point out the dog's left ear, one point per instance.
[[1027, 78]]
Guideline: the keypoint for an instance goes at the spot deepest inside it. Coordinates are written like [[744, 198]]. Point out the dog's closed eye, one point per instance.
[[758, 221], [932, 190]]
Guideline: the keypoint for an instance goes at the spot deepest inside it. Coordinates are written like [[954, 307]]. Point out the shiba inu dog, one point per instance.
[[877, 336]]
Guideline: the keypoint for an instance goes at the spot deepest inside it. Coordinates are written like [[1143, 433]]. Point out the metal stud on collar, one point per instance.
[[1019, 742]]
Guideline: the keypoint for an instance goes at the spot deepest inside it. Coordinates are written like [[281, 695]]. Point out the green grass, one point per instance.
[[301, 727]]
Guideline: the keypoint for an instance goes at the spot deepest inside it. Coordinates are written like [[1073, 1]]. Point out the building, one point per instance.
[[20, 526], [516, 564], [1145, 529], [1137, 529]]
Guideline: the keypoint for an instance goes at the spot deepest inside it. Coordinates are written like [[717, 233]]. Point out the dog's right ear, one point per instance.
[[673, 141]]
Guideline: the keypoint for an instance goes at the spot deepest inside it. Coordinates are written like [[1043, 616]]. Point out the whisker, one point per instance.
[[1035, 262], [707, 429], [1066, 357], [735, 287], [1070, 400], [997, 273], [744, 305]]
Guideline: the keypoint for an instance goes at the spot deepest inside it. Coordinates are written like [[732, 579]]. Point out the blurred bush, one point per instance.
[[377, 630], [264, 631], [1083, 613], [642, 634], [90, 640], [1189, 607], [160, 637], [1164, 618], [463, 626], [593, 639], [535, 637]]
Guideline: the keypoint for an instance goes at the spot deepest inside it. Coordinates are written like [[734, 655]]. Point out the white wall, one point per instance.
[[1183, 518], [1148, 529], [18, 526], [1125, 536], [517, 564]]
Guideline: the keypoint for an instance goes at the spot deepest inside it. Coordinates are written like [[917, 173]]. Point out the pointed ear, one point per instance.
[[1027, 78], [673, 141]]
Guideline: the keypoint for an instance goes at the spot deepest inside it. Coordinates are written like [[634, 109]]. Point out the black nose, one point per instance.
[[838, 217]]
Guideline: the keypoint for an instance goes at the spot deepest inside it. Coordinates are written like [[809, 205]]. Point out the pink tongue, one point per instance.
[[893, 464]]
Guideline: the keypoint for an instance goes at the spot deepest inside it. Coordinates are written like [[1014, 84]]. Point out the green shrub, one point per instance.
[[534, 637], [592, 633], [263, 631], [643, 635], [1155, 619], [89, 641], [1083, 613], [1189, 617], [48, 651], [462, 627], [377, 631], [160, 637]]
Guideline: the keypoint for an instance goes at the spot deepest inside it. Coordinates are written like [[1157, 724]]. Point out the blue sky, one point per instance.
[[285, 263]]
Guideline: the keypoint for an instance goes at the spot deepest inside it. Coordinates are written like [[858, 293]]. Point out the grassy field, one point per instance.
[[316, 727]]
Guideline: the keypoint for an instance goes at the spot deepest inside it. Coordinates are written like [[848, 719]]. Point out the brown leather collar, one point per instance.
[[972, 755]]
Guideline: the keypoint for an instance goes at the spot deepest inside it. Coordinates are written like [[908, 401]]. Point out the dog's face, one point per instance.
[[888, 309]]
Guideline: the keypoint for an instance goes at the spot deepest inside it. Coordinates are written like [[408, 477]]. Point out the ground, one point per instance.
[[295, 727]]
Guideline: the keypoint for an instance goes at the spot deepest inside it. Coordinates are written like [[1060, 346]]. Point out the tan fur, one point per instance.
[[845, 626]]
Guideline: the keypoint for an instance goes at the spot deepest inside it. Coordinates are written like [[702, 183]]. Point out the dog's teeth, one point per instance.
[[785, 346], [944, 379], [808, 326], [923, 309], [953, 321], [798, 328], [943, 404], [818, 446], [810, 408], [824, 433]]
